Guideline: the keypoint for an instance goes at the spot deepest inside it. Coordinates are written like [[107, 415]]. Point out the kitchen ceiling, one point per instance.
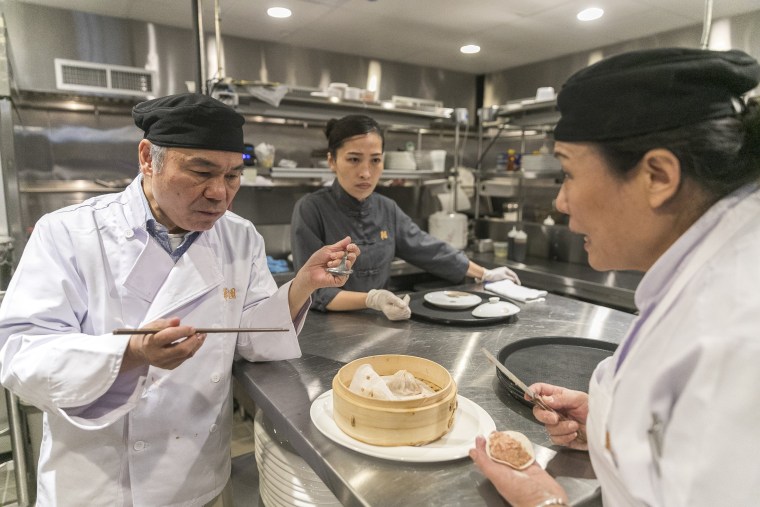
[[430, 32]]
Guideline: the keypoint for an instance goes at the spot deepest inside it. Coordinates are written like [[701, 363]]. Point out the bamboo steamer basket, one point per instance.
[[395, 422]]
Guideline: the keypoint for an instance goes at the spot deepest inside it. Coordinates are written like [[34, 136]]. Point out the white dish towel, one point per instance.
[[511, 290]]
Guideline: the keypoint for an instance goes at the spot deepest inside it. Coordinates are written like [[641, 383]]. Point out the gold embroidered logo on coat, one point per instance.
[[229, 293], [383, 234]]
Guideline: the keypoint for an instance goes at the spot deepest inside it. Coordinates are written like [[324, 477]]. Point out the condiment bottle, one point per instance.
[[511, 242], [521, 246], [511, 160]]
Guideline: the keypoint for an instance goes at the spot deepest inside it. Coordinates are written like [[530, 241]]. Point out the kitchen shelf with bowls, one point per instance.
[[539, 171], [319, 173]]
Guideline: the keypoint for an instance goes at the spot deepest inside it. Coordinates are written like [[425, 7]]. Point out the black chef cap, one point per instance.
[[653, 90], [190, 120]]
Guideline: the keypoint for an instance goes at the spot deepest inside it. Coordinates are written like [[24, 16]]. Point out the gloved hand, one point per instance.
[[391, 305], [501, 273]]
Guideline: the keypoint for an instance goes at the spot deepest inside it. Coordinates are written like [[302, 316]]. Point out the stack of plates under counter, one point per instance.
[[285, 479]]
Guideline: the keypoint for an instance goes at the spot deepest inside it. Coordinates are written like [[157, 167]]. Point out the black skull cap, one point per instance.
[[653, 90], [190, 120]]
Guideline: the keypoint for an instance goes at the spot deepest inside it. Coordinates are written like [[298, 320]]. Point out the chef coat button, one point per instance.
[[213, 428], [215, 377], [128, 233], [139, 445]]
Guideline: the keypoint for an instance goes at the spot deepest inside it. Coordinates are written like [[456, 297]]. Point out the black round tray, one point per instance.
[[560, 360], [422, 310]]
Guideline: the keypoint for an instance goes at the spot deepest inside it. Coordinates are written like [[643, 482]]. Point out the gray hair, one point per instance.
[[157, 155]]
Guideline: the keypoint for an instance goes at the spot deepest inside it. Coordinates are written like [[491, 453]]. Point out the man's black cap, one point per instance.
[[190, 120]]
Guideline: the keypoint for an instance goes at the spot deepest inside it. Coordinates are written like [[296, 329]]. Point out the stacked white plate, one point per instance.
[[285, 479], [400, 160]]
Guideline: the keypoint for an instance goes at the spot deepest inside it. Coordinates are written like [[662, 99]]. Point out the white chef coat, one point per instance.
[[151, 437], [687, 384]]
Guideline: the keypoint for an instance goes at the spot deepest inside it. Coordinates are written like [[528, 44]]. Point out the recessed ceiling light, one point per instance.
[[470, 49], [590, 14], [279, 12]]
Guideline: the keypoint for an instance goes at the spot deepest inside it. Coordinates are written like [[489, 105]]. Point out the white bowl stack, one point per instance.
[[285, 479], [400, 161]]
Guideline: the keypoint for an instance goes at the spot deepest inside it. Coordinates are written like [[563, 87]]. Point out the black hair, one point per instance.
[[720, 155], [338, 131]]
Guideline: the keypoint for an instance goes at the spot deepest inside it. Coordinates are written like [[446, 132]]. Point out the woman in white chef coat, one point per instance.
[[376, 223], [661, 155], [146, 419]]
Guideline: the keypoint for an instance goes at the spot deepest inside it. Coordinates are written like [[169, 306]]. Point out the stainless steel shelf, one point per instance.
[[388, 174]]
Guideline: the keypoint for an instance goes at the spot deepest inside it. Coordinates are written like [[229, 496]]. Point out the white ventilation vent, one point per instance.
[[97, 77]]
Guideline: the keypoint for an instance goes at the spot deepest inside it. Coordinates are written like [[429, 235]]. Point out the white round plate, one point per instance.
[[452, 299], [470, 421], [495, 309]]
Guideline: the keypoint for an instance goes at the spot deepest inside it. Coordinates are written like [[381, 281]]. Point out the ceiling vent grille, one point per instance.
[[96, 77]]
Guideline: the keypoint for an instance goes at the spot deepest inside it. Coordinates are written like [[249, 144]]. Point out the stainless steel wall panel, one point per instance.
[[39, 34], [523, 81]]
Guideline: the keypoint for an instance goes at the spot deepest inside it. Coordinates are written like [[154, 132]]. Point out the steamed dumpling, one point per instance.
[[403, 383], [368, 383]]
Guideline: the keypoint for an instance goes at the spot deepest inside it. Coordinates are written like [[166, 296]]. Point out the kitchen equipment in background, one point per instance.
[[510, 211], [265, 155], [337, 90], [484, 245], [249, 176], [352, 93], [430, 160], [369, 95], [500, 249], [520, 249], [417, 103], [400, 160], [511, 241], [449, 227], [545, 93], [319, 159], [540, 162], [249, 155]]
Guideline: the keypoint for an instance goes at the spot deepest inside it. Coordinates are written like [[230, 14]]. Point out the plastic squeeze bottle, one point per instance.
[[521, 246], [511, 242]]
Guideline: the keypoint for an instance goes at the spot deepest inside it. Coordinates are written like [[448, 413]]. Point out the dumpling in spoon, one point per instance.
[[511, 448]]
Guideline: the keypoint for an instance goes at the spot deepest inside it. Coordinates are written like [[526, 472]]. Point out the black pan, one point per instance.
[[560, 360]]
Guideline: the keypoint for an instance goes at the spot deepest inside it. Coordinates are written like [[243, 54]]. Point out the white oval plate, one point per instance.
[[470, 421], [452, 299], [498, 309]]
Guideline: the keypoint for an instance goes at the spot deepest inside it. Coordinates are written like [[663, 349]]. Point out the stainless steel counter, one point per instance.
[[284, 390], [609, 288]]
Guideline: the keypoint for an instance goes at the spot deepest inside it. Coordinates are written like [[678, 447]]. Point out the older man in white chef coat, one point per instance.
[[146, 419]]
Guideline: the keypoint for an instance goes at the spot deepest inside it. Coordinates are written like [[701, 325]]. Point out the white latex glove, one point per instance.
[[391, 305], [501, 273]]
